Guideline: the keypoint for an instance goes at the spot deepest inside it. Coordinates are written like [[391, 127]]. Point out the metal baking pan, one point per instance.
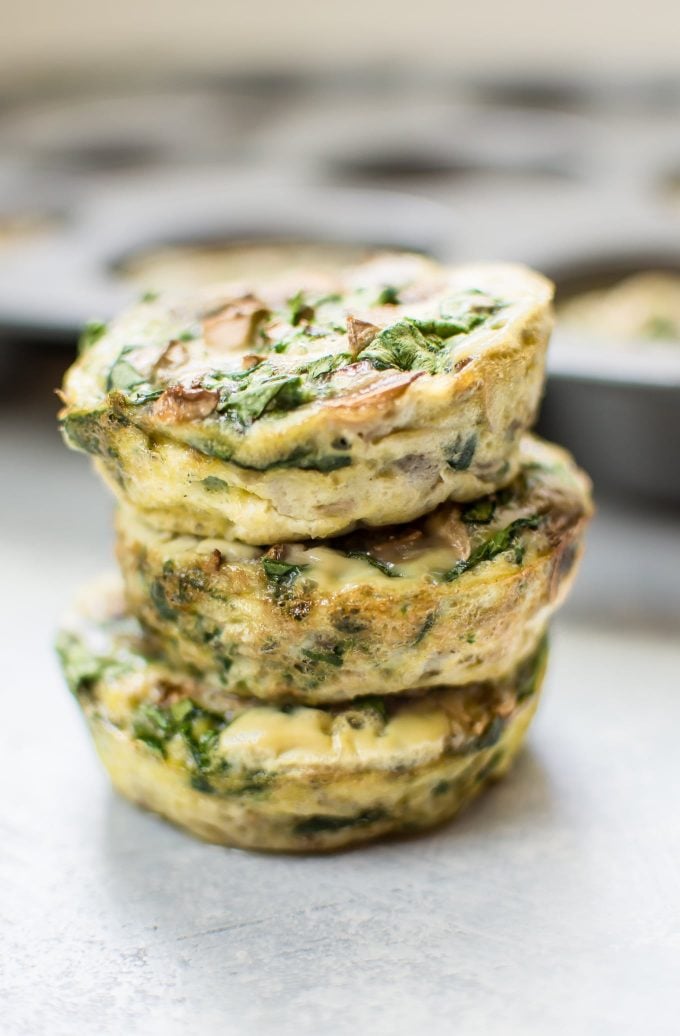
[[51, 284], [574, 179]]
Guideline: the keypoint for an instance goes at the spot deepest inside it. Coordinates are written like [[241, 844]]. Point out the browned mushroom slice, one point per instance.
[[360, 334], [398, 547], [178, 404], [445, 526], [173, 356], [233, 325], [371, 396]]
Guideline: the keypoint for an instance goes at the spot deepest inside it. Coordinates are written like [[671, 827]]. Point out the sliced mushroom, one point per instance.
[[276, 552], [398, 548], [178, 404], [173, 356], [445, 525], [233, 325], [214, 561], [369, 399], [360, 334], [251, 360]]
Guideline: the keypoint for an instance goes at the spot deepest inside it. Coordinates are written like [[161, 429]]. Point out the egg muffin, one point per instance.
[[293, 777], [460, 595], [287, 410]]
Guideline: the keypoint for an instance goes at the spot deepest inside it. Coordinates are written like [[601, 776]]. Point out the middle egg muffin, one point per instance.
[[460, 595]]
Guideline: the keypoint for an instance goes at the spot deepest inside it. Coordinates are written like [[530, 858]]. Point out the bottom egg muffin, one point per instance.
[[290, 777]]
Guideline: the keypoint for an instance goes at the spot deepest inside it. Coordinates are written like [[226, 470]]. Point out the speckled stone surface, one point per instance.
[[551, 906]]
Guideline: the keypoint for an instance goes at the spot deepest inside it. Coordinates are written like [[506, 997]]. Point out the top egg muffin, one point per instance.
[[284, 410]]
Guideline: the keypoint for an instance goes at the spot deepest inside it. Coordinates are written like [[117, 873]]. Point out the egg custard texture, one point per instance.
[[460, 595], [279, 411], [287, 778]]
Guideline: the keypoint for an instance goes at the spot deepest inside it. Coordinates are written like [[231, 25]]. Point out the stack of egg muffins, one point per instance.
[[340, 547]]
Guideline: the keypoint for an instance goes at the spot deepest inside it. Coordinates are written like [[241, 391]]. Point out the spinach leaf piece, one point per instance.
[[198, 728], [498, 543], [427, 625], [386, 567], [160, 601], [264, 392], [281, 577], [299, 309], [280, 571], [91, 333], [125, 378], [661, 327], [333, 658], [214, 484], [326, 365], [459, 456], [372, 702], [466, 311], [389, 296], [404, 347], [81, 668], [489, 737], [320, 823], [479, 512]]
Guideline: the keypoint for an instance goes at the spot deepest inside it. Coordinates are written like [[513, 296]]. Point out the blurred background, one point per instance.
[[146, 146]]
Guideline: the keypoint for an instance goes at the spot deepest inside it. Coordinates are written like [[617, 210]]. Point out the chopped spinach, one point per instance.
[[498, 543], [459, 456], [389, 296], [198, 728], [122, 375], [480, 512], [326, 365], [281, 578], [299, 310], [245, 396], [91, 333], [662, 328], [372, 702], [348, 623], [323, 464], [214, 484], [489, 737], [81, 668], [153, 726], [489, 767], [160, 601], [530, 672], [249, 401], [386, 567], [404, 347], [83, 431], [280, 573], [333, 658], [300, 457], [427, 625], [321, 823]]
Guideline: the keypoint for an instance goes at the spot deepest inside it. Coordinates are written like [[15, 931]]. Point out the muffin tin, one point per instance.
[[50, 286], [576, 179]]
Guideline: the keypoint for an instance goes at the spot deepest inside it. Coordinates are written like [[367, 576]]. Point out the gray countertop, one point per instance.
[[551, 906]]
